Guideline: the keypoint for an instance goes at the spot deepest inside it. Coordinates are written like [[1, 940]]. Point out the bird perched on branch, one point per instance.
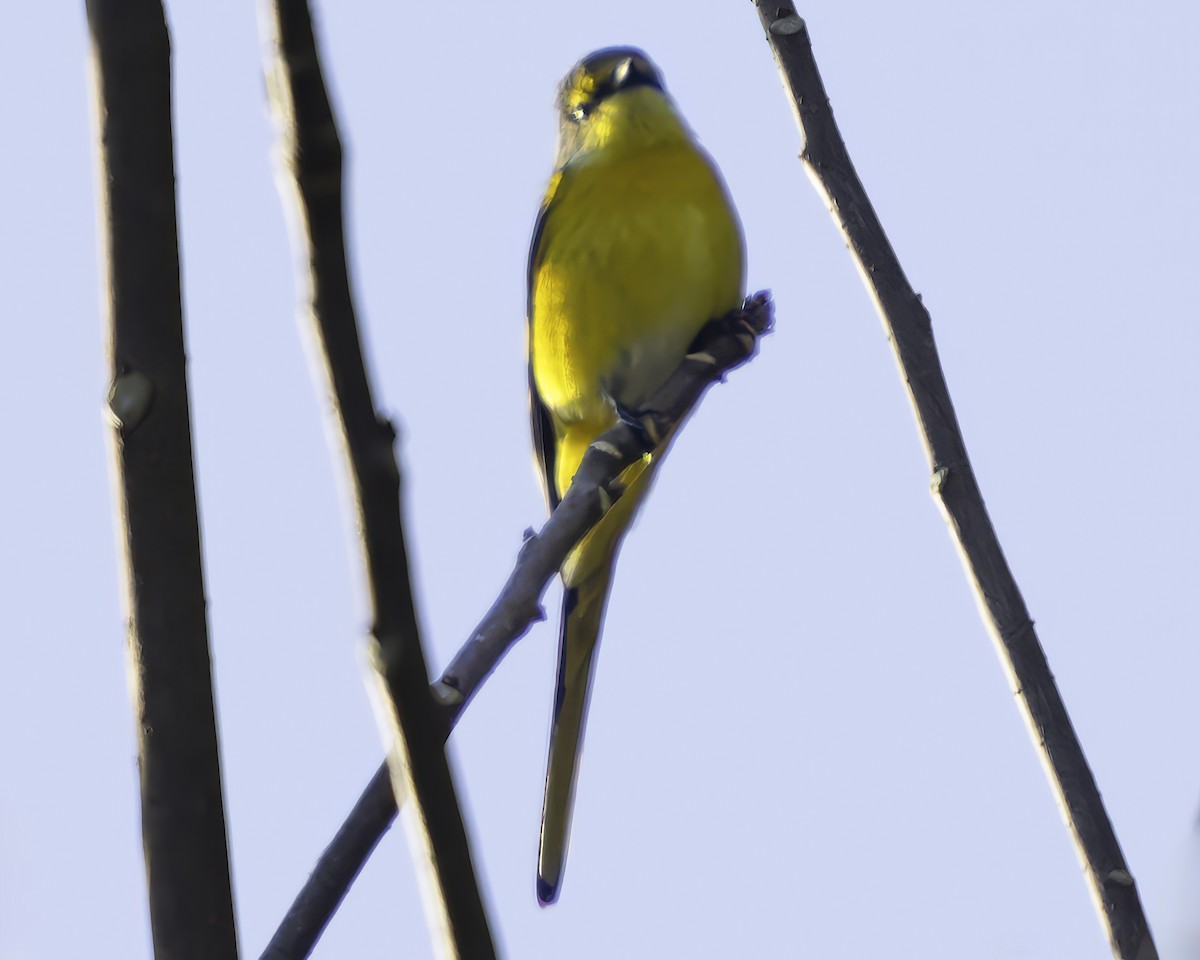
[[637, 246]]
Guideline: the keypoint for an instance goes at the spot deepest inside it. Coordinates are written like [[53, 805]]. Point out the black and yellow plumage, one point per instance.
[[637, 246]]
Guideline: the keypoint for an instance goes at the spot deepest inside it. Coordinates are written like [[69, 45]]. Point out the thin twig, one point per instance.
[[417, 759], [594, 484], [183, 818], [956, 490], [721, 347], [335, 871]]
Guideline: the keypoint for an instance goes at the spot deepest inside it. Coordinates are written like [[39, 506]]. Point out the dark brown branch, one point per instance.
[[721, 346], [335, 870], [312, 154], [183, 819], [956, 490]]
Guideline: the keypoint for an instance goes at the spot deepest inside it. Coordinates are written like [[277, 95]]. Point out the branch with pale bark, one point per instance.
[[956, 489], [411, 721]]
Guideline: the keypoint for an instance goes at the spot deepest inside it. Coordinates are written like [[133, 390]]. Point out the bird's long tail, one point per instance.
[[582, 617]]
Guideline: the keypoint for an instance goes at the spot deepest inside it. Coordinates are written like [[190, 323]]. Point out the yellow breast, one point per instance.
[[638, 252]]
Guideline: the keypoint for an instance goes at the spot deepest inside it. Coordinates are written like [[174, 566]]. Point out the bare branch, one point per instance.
[[722, 346], [595, 484], [183, 819], [956, 490], [417, 761]]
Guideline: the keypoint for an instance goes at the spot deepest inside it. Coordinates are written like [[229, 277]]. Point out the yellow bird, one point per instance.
[[636, 247]]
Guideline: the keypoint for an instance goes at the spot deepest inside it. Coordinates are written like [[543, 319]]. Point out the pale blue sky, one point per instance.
[[876, 794]]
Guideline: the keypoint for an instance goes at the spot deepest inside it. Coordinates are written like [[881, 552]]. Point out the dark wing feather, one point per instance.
[[544, 439]]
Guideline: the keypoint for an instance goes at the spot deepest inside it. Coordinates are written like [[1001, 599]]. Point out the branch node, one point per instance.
[[129, 400], [1122, 878], [787, 26], [445, 692]]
